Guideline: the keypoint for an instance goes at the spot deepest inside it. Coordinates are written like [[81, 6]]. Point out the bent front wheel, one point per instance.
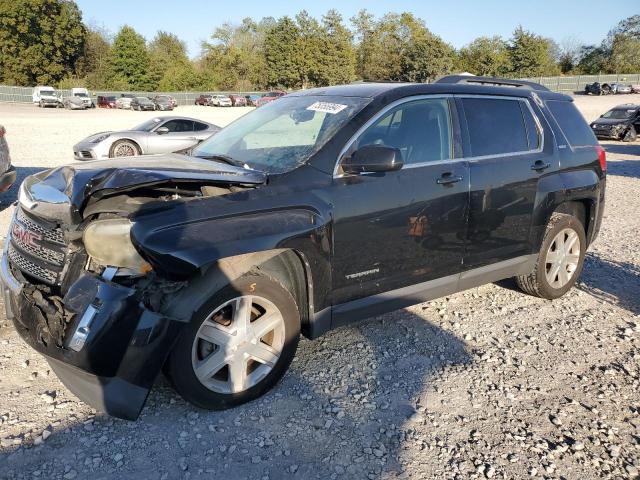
[[237, 346]]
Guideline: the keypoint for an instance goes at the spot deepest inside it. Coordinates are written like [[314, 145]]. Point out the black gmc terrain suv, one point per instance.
[[327, 206]]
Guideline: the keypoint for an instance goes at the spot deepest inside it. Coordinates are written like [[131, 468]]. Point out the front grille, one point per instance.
[[37, 247], [54, 235], [85, 154], [25, 265]]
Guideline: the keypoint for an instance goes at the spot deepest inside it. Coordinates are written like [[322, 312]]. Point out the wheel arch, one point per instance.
[[288, 266], [579, 193]]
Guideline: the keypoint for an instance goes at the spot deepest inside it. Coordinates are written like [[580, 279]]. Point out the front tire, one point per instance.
[[124, 148], [630, 135], [237, 346], [560, 259]]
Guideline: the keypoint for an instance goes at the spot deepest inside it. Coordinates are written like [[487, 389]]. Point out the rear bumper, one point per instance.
[[121, 353]]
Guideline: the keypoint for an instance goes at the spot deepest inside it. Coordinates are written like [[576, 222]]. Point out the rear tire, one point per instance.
[[238, 357], [560, 259]]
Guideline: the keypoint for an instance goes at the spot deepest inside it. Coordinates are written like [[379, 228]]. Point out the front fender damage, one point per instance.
[[183, 249]]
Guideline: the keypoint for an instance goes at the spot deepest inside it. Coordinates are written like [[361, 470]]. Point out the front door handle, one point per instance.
[[448, 179], [540, 165]]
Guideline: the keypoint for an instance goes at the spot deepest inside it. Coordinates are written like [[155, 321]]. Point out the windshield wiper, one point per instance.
[[224, 158]]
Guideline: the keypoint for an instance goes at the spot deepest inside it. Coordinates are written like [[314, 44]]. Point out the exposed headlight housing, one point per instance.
[[108, 242], [102, 137]]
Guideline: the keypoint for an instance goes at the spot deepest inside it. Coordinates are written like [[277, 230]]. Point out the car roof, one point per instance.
[[626, 106], [176, 117], [399, 89]]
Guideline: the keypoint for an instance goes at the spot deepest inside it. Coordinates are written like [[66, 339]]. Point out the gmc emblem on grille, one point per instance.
[[24, 235]]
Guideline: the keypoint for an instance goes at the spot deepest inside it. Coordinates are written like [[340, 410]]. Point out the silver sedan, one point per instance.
[[157, 135]]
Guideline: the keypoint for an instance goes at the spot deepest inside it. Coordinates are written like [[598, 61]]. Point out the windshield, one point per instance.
[[81, 94], [619, 113], [47, 92], [148, 125], [282, 135]]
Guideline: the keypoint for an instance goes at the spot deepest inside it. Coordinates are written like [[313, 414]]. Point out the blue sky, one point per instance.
[[456, 22]]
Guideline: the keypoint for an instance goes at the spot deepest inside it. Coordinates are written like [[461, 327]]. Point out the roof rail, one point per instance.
[[498, 82]]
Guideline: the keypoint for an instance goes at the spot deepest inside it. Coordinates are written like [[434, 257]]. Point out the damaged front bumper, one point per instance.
[[113, 347]]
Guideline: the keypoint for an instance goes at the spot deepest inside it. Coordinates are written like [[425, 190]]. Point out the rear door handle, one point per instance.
[[539, 166], [448, 179]]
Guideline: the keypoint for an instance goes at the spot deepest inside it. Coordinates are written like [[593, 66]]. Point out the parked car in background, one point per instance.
[[238, 100], [211, 266], [46, 97], [221, 101], [7, 171], [597, 88], [620, 88], [142, 103], [252, 100], [73, 102], [157, 135], [204, 100], [106, 101], [163, 102], [124, 101], [269, 97], [619, 123], [83, 93], [635, 88]]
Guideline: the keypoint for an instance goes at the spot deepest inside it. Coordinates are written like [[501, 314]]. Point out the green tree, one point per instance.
[[94, 64], [625, 54], [282, 55], [40, 40], [425, 55], [593, 60], [488, 56], [399, 47], [337, 60], [129, 61], [531, 55], [234, 60], [167, 56]]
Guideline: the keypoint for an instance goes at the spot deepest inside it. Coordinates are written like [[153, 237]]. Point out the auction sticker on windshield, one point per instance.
[[326, 107]]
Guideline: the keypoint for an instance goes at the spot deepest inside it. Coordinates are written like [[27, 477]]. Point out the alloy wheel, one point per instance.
[[562, 258], [238, 344], [124, 149]]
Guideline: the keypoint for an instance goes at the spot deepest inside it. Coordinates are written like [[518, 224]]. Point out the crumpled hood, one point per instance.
[[61, 193]]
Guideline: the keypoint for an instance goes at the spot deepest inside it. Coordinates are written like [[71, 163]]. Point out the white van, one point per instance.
[[83, 93], [45, 97]]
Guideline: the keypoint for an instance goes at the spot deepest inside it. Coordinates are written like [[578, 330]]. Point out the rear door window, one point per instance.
[[572, 123], [496, 126]]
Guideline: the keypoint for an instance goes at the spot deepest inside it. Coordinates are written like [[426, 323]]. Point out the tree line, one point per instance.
[[47, 42]]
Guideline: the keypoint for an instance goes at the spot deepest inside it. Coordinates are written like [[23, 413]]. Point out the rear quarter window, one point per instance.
[[572, 123]]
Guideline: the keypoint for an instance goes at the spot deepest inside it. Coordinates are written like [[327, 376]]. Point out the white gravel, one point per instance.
[[488, 383]]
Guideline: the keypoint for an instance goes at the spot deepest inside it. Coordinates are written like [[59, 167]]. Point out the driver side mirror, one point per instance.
[[373, 158], [162, 130]]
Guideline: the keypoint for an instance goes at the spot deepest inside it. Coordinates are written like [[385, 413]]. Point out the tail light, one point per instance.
[[602, 157]]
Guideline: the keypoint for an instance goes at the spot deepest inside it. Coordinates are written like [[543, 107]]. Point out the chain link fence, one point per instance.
[[576, 83], [24, 94], [566, 84]]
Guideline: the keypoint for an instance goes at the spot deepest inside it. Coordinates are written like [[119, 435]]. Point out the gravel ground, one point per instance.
[[487, 383]]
